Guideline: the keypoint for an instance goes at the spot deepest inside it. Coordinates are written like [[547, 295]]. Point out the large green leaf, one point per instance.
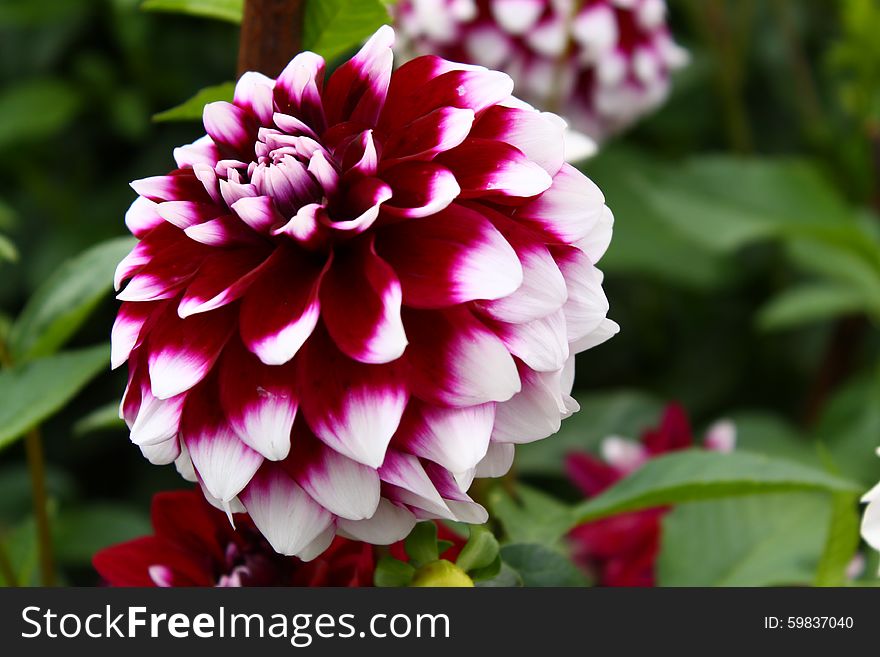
[[192, 109], [622, 413], [58, 308], [331, 27], [224, 10], [8, 252], [809, 303], [758, 540], [849, 428], [725, 202], [36, 109], [644, 243], [693, 475], [540, 565], [32, 392]]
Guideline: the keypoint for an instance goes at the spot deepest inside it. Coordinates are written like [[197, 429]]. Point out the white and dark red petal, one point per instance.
[[356, 91], [253, 92], [259, 401], [233, 129], [568, 210], [221, 279], [298, 91], [486, 168], [451, 257], [455, 360], [360, 305], [587, 304], [344, 487], [538, 137], [436, 132], [534, 413], [352, 407], [285, 514], [142, 217], [203, 151], [606, 330], [405, 481], [181, 352], [179, 185], [184, 214], [127, 329], [419, 189], [282, 307], [469, 87], [363, 204], [543, 290], [498, 460], [224, 464], [462, 506], [158, 420], [542, 344], [162, 453], [258, 212], [390, 523], [596, 242], [456, 438]]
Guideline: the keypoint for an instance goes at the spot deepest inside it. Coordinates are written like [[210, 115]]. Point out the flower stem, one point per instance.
[[271, 34], [33, 444], [6, 569]]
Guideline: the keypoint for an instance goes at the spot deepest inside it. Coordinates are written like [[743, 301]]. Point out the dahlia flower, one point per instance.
[[602, 64], [622, 550], [352, 297], [194, 545]]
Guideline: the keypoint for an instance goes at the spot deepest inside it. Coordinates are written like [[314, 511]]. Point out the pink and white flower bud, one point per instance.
[[602, 64], [353, 296]]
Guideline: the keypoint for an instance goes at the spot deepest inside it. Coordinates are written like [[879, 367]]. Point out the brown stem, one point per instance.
[[271, 34], [33, 445]]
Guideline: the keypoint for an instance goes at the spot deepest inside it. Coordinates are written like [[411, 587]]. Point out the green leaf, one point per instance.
[[842, 541], [192, 109], [487, 572], [623, 413], [758, 540], [36, 109], [765, 433], [692, 475], [104, 418], [810, 303], [79, 533], [20, 546], [15, 490], [480, 550], [849, 428], [391, 572], [330, 27], [224, 10], [644, 243], [34, 391], [539, 565], [534, 517], [421, 544], [507, 577], [725, 202], [8, 252], [58, 308]]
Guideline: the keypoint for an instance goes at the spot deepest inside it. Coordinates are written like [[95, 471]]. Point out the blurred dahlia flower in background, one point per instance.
[[601, 64], [194, 545], [352, 297], [621, 550]]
